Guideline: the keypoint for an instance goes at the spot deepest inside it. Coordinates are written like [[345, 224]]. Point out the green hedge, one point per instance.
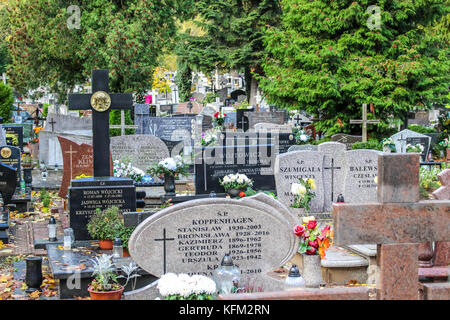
[[371, 144], [421, 129]]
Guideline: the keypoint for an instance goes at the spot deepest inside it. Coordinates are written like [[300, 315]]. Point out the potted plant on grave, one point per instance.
[[125, 234], [234, 184], [388, 145], [169, 168], [104, 225], [105, 285], [185, 287], [303, 194], [313, 244], [45, 199], [301, 137]]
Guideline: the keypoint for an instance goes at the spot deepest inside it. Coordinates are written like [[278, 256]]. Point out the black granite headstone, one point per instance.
[[14, 135], [425, 142], [8, 182], [10, 156], [100, 192]]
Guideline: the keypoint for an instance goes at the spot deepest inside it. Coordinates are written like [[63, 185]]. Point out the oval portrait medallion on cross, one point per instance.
[[100, 101], [6, 153]]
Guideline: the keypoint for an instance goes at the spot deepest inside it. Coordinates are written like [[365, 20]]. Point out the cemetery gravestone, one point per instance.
[[286, 128], [141, 118], [14, 135], [78, 160], [8, 182], [266, 117], [400, 139], [300, 120], [334, 171], [242, 121], [101, 191], [361, 171], [10, 156], [424, 142], [192, 237], [142, 149], [292, 166], [393, 224], [346, 139], [170, 128]]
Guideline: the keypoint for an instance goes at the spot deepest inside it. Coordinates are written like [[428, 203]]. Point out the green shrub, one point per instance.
[[6, 102], [106, 224], [125, 234], [371, 144], [317, 142], [421, 129]]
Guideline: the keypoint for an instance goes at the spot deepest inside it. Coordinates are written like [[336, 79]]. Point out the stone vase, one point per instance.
[[312, 272], [169, 184]]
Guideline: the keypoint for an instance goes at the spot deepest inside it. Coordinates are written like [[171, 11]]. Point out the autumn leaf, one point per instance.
[[35, 294]]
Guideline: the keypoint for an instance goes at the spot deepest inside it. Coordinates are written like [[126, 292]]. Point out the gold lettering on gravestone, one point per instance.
[[100, 101]]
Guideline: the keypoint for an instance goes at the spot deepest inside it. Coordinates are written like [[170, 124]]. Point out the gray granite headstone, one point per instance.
[[346, 139], [208, 111], [361, 170], [141, 117], [192, 237], [291, 166], [65, 123], [400, 139], [301, 147], [334, 171], [144, 150]]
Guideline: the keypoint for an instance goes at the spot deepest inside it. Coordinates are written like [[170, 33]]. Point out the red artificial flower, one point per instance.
[[216, 115], [311, 224], [299, 230], [313, 244], [311, 251], [242, 194], [325, 230]]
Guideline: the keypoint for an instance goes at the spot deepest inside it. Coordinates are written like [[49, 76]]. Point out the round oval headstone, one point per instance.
[[192, 237]]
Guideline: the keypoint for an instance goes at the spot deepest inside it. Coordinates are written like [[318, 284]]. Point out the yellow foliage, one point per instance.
[[160, 82]]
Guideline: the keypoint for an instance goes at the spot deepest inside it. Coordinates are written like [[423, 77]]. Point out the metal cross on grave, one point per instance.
[[100, 102], [332, 168], [122, 125], [403, 145], [398, 223], [297, 119], [364, 123], [164, 239]]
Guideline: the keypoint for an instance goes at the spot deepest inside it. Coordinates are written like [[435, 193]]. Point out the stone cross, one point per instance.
[[122, 125], [403, 145], [164, 239], [364, 121], [398, 223], [100, 102]]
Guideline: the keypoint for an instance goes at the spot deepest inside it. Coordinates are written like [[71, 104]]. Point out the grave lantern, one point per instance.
[[294, 279], [226, 275], [340, 198], [52, 229], [117, 248]]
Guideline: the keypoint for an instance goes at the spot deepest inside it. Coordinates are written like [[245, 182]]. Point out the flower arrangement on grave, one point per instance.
[[219, 119], [105, 285], [169, 166], [104, 226], [388, 144], [125, 233], [27, 160], [208, 137], [443, 145], [45, 198], [250, 192], [303, 194], [301, 137], [312, 240], [417, 148], [185, 287], [429, 181], [35, 137], [243, 105], [236, 181], [124, 169]]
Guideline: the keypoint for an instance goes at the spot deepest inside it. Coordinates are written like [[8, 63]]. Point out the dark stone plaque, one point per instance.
[[425, 142], [10, 156], [169, 128], [86, 195], [8, 182]]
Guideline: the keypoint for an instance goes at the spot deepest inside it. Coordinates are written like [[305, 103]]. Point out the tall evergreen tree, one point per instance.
[[232, 37], [329, 57], [6, 102]]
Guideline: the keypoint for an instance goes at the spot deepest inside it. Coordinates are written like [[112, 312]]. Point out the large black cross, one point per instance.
[[100, 119], [164, 239], [52, 122], [332, 177]]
